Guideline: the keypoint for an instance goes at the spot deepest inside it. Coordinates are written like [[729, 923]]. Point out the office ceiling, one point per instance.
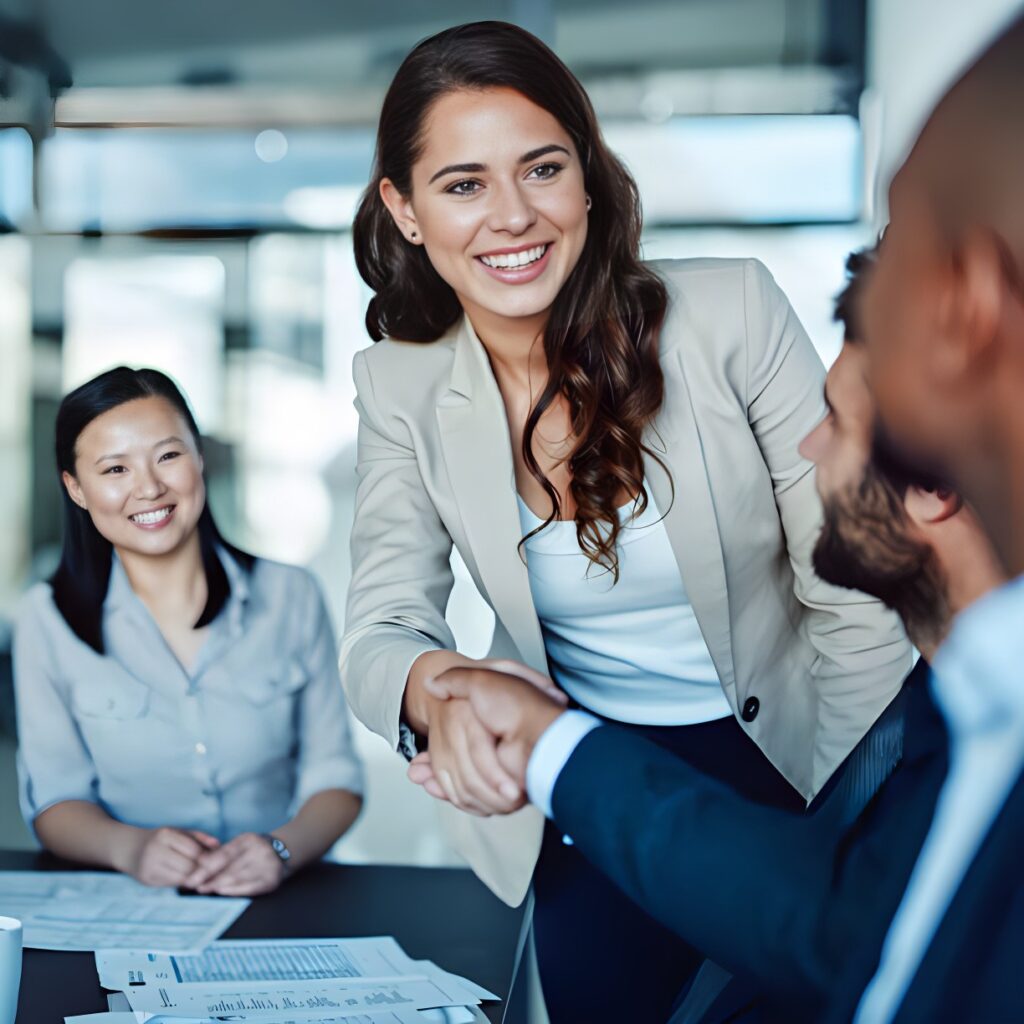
[[307, 52]]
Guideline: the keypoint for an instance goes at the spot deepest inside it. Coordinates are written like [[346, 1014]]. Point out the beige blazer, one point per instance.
[[743, 385]]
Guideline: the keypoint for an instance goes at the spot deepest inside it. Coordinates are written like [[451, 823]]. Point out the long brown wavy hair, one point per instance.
[[601, 338]]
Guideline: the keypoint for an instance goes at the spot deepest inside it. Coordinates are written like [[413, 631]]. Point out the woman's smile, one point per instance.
[[519, 265], [156, 519]]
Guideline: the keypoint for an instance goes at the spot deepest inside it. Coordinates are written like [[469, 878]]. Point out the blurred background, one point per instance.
[[177, 183]]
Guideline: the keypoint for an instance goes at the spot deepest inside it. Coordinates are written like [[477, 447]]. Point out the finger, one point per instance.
[[433, 787], [497, 782], [249, 887], [527, 674], [210, 842], [472, 789], [421, 758], [180, 842], [209, 866], [248, 870], [451, 795], [514, 755], [419, 773], [173, 866], [235, 868]]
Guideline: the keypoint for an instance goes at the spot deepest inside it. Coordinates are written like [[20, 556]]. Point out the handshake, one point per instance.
[[485, 719]]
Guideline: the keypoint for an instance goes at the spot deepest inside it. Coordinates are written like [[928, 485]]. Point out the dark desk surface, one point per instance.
[[440, 914]]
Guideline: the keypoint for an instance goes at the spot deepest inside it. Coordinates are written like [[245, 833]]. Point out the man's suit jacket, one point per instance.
[[812, 665], [794, 907], [973, 969]]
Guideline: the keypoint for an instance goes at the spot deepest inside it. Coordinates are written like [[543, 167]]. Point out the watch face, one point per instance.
[[279, 848]]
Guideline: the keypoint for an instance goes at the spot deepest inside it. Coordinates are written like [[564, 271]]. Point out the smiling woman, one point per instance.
[[179, 712], [612, 448]]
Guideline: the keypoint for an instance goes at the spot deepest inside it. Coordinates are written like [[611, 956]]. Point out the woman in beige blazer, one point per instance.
[[524, 348]]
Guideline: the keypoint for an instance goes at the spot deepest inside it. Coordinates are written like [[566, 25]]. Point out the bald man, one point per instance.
[[943, 316]]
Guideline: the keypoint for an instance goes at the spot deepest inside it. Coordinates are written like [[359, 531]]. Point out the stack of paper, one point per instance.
[[328, 981], [90, 910]]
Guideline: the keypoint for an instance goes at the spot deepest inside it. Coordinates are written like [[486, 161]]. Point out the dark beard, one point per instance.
[[866, 544]]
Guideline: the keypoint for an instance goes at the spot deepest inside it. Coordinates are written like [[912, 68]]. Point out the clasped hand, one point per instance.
[[484, 722], [245, 866]]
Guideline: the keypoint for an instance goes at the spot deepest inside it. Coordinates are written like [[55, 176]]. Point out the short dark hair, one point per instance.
[[847, 301], [897, 470], [83, 575]]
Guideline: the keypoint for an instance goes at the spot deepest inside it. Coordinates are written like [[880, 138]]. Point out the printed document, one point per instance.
[[83, 910], [129, 1017], [268, 1001], [241, 961]]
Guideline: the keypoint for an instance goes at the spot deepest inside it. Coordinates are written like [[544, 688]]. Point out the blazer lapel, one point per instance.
[[690, 517], [478, 454]]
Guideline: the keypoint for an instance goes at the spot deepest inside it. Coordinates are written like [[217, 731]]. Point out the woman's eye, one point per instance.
[[169, 455], [113, 469], [463, 188], [545, 171]]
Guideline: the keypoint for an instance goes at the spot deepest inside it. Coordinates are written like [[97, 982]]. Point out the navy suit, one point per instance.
[[974, 968], [795, 906]]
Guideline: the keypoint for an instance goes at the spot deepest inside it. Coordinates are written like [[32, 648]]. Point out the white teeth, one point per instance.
[[514, 260], [148, 518]]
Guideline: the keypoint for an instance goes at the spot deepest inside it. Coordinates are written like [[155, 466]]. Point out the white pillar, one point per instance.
[[15, 416]]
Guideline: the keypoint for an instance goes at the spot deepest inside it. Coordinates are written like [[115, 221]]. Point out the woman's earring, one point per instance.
[[413, 234], [589, 203]]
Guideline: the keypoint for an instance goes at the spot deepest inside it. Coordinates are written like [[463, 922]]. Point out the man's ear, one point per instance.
[[74, 489], [926, 507], [971, 307], [400, 208]]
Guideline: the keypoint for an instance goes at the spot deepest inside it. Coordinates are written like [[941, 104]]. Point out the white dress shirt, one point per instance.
[[552, 751], [237, 744], [978, 687]]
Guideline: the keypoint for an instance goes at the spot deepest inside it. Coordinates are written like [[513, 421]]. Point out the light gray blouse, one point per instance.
[[236, 745]]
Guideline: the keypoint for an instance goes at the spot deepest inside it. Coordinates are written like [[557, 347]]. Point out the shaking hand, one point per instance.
[[512, 704]]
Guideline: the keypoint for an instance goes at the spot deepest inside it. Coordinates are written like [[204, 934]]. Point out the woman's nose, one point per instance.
[[510, 210], [148, 485]]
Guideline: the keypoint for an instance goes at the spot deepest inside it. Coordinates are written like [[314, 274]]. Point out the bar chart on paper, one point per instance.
[[263, 1002], [350, 997]]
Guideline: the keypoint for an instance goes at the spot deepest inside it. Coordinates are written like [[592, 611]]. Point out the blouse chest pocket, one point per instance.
[[116, 699], [284, 679]]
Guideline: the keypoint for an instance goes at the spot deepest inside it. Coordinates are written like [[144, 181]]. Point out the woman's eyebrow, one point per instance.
[[543, 151], [173, 439], [458, 169], [479, 168]]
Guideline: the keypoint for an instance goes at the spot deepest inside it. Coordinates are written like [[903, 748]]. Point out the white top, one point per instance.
[[976, 683], [631, 651]]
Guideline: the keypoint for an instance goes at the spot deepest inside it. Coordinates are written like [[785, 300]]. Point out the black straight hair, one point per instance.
[[83, 576]]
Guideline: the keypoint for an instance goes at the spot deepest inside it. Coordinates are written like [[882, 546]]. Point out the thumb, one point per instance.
[[447, 685]]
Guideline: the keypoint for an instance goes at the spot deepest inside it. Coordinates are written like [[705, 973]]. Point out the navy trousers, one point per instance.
[[591, 939]]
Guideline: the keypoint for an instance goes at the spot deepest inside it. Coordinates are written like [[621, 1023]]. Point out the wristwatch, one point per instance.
[[277, 845]]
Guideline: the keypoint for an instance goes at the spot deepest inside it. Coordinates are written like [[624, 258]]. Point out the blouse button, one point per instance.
[[200, 748], [751, 706]]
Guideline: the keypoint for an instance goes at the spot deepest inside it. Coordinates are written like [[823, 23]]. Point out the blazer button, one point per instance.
[[751, 706]]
